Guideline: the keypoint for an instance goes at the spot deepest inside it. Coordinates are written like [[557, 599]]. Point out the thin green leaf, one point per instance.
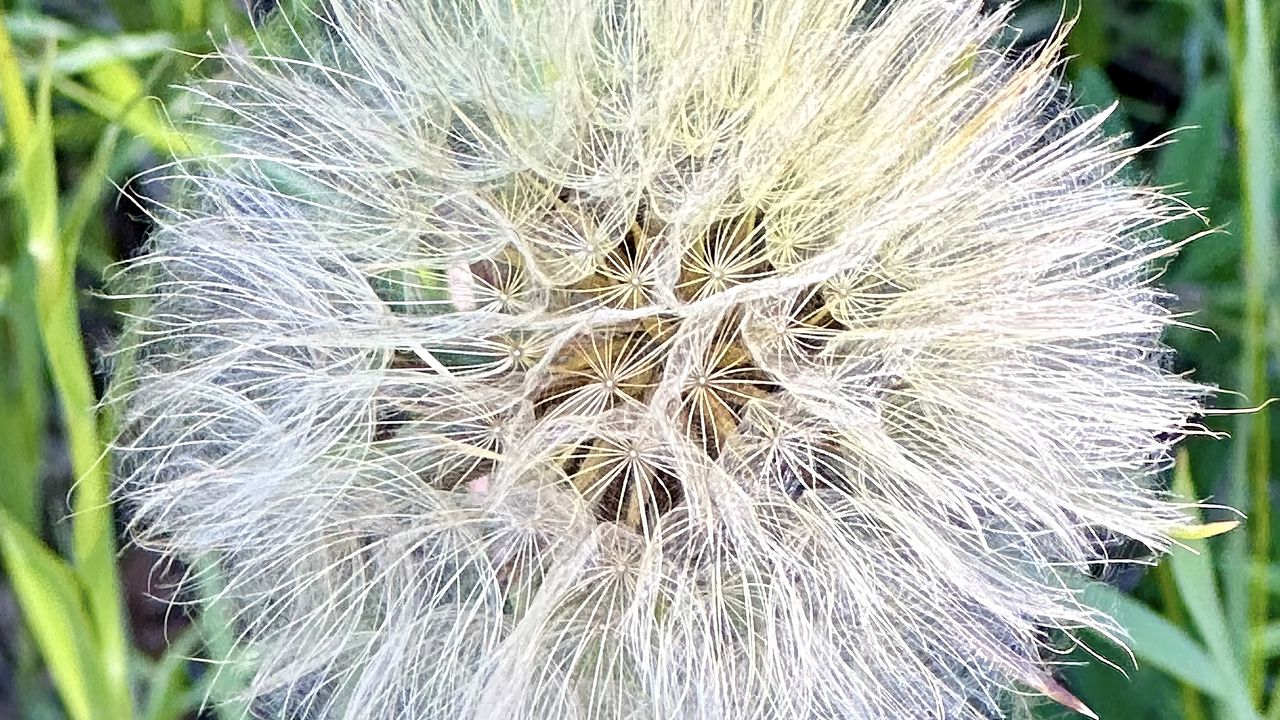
[[13, 95], [27, 26], [1193, 574], [1088, 40], [22, 392], [1192, 166], [93, 533], [1192, 704], [24, 412], [1267, 640], [89, 193], [96, 52], [1158, 642], [1093, 87], [216, 627], [49, 596], [119, 100], [168, 698]]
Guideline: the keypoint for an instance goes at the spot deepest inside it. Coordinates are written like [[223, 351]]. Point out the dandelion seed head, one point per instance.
[[582, 359]]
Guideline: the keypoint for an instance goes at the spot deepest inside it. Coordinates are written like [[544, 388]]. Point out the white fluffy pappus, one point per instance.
[[722, 359]]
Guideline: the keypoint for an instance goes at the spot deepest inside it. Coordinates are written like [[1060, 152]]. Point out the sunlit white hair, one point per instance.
[[706, 359]]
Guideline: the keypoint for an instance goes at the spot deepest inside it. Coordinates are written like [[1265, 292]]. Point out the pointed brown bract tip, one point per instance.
[[1055, 692]]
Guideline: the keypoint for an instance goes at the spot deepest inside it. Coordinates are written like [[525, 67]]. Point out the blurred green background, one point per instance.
[[88, 89]]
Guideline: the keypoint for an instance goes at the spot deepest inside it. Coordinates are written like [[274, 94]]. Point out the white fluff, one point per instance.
[[707, 359]]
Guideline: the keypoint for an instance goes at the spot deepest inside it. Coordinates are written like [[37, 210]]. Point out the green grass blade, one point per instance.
[[21, 427], [1088, 40], [88, 195], [1158, 642], [22, 398], [1192, 703], [49, 595], [1268, 640], [1193, 574], [168, 698], [36, 26], [1192, 166], [118, 97], [96, 52], [13, 95], [217, 627], [93, 534], [1093, 88], [1255, 105]]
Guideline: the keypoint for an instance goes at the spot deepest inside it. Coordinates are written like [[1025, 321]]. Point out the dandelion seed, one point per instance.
[[651, 359]]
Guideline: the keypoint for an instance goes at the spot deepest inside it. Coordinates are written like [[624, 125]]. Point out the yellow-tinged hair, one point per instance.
[[705, 359]]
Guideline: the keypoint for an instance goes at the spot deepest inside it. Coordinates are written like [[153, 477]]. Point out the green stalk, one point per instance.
[[93, 534], [1255, 103]]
